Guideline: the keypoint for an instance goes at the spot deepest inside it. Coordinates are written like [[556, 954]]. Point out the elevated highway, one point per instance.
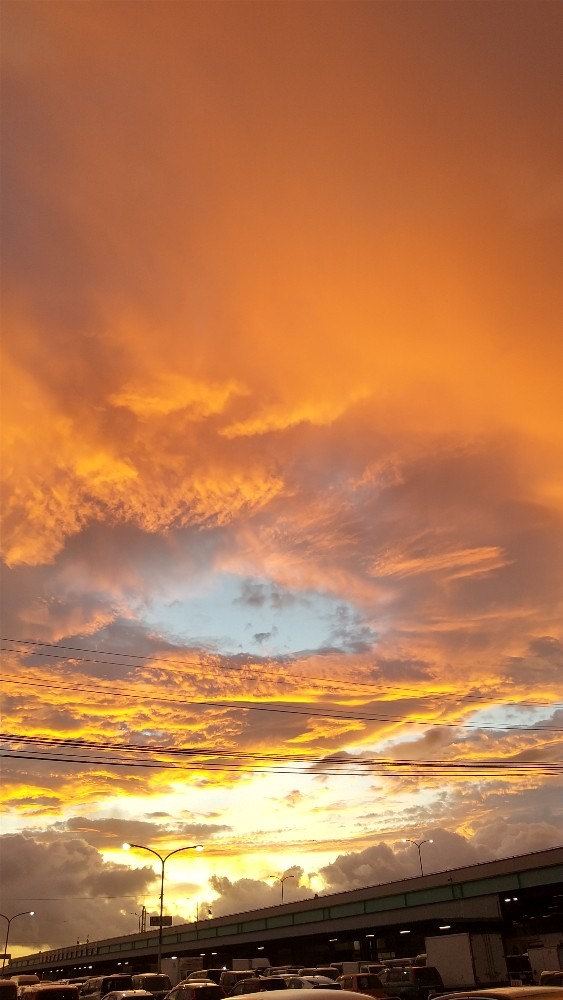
[[522, 897]]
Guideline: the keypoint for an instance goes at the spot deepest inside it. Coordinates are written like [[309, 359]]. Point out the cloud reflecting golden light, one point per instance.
[[282, 479]]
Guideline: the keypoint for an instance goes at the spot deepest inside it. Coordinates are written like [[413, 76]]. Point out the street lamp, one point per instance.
[[281, 879], [24, 913], [163, 858], [418, 844], [142, 919]]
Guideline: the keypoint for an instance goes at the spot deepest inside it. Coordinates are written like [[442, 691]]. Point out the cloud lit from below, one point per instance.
[[282, 432]]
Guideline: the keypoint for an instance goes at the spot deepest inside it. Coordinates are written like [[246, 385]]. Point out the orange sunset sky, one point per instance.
[[282, 448]]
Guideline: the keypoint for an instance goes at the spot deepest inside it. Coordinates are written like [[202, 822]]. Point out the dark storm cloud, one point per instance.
[[105, 834], [73, 890], [380, 863], [248, 894]]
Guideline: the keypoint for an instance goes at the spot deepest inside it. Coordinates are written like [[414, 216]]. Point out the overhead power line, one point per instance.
[[142, 659], [112, 755], [281, 710], [475, 770], [220, 752]]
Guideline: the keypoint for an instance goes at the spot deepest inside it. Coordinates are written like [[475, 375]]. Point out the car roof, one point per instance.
[[319, 978], [49, 987], [128, 993], [203, 972], [314, 976], [200, 974], [53, 986], [507, 993], [317, 993], [195, 984]]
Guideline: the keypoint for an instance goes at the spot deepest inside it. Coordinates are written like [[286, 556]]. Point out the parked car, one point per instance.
[[405, 961], [230, 977], [99, 986], [519, 970], [509, 993], [50, 991], [196, 989], [320, 994], [213, 974], [284, 970], [321, 970], [363, 982], [21, 981], [258, 984], [311, 982], [156, 983], [412, 982], [8, 989], [551, 978]]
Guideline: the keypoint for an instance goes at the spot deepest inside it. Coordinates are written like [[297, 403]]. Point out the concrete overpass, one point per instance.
[[522, 897]]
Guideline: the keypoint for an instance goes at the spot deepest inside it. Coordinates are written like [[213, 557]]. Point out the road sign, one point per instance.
[[155, 921]]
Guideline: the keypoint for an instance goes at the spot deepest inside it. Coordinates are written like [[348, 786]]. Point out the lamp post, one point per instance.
[[24, 913], [142, 919], [418, 844], [163, 858], [281, 879]]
